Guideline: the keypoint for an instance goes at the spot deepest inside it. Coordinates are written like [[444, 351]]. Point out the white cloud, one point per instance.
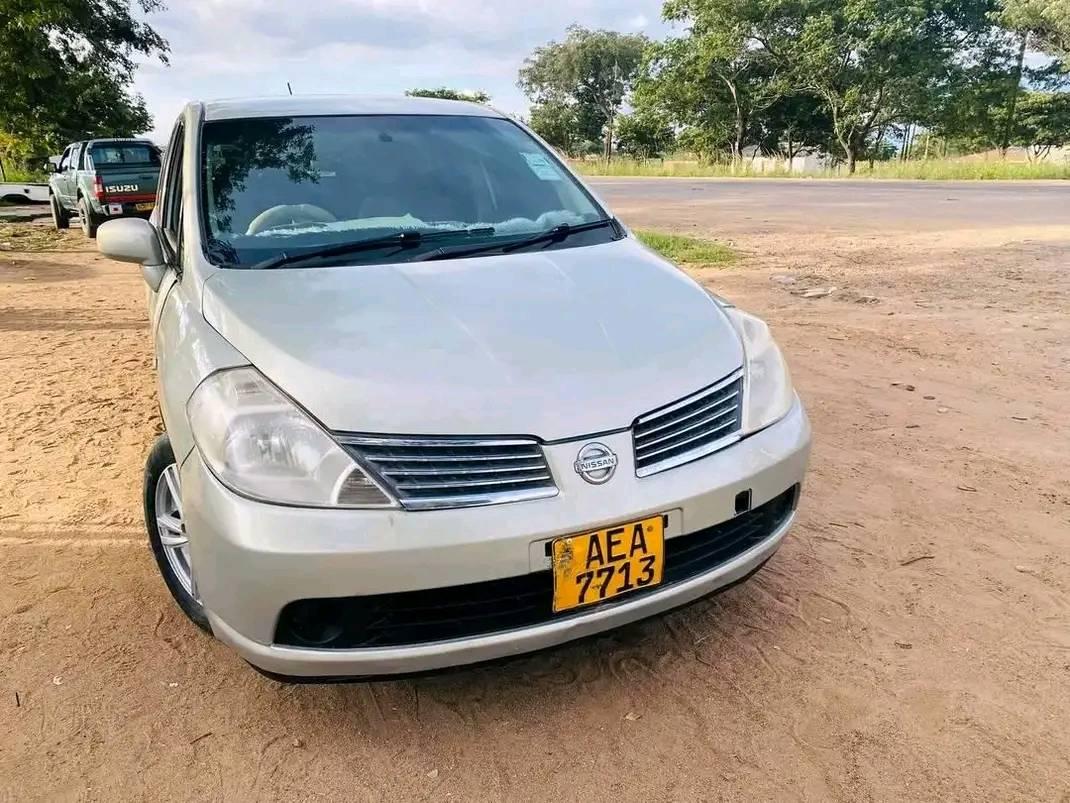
[[225, 48]]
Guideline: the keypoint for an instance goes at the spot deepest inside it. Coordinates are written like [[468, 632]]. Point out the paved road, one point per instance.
[[768, 205]]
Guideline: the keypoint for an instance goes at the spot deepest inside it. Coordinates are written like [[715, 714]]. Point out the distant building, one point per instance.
[[806, 161]]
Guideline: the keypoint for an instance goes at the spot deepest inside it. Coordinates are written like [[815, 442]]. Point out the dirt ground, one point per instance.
[[910, 641]]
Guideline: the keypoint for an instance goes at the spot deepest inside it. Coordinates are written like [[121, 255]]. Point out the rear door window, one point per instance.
[[117, 154]]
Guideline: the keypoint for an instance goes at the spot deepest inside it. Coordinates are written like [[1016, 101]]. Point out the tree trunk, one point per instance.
[[850, 145], [1012, 101], [737, 136], [741, 123], [880, 139], [608, 147]]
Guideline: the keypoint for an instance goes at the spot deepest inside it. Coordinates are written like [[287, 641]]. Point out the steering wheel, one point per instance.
[[285, 215]]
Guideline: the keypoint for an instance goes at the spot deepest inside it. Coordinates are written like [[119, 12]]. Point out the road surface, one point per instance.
[[765, 206]]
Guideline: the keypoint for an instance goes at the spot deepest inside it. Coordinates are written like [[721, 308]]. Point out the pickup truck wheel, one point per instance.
[[60, 218], [89, 222], [162, 498]]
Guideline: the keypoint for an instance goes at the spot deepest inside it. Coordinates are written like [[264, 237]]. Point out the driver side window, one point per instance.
[[64, 160]]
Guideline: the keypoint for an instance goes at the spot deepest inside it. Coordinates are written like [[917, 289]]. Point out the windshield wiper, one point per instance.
[[558, 233], [402, 239]]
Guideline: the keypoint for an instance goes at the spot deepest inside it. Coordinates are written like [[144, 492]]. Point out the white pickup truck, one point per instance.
[[23, 193]]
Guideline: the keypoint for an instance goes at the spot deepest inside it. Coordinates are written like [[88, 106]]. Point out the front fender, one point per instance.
[[187, 351]]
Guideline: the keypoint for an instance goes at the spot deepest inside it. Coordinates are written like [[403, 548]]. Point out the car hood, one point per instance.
[[555, 344]]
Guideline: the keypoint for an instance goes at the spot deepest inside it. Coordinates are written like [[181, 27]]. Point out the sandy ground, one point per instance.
[[911, 639]]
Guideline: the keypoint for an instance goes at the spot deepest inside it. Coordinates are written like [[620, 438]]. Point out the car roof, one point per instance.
[[323, 105]]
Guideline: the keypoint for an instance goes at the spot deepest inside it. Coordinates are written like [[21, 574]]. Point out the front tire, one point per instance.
[[60, 218], [89, 222], [162, 499]]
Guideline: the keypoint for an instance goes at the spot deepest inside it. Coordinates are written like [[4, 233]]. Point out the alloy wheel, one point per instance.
[[172, 529]]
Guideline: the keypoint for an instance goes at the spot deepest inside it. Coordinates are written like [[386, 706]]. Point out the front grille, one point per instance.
[[691, 428], [428, 473], [440, 614]]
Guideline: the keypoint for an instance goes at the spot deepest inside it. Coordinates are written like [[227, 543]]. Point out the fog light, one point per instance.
[[313, 622]]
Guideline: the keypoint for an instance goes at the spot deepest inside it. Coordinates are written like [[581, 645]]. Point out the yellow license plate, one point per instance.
[[145, 207], [597, 566]]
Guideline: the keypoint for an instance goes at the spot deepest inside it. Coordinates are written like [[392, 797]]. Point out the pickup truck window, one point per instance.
[[107, 155], [285, 185], [65, 159]]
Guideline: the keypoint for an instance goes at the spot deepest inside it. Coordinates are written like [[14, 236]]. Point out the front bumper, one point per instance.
[[252, 559]]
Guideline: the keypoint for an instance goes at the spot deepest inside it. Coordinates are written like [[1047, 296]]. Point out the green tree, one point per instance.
[[1043, 123], [644, 135], [876, 62], [793, 123], [592, 70], [979, 105], [725, 58], [473, 96], [675, 86], [574, 129], [1048, 21], [67, 68], [1031, 24]]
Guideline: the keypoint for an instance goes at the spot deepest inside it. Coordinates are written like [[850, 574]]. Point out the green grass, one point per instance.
[[930, 169], [687, 250], [15, 175], [961, 170]]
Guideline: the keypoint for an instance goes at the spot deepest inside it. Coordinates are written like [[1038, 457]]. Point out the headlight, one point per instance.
[[260, 444], [767, 391]]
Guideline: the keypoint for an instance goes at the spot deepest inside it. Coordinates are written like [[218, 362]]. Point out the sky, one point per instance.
[[233, 48]]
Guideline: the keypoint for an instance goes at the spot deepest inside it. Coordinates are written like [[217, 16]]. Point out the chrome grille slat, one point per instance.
[[678, 443], [672, 422], [438, 472], [435, 473], [705, 422], [690, 428], [442, 486], [455, 458]]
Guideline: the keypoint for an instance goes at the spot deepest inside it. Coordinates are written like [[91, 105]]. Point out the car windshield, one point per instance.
[[274, 186]]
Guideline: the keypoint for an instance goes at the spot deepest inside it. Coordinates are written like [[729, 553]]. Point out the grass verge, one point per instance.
[[687, 250], [14, 175], [928, 170]]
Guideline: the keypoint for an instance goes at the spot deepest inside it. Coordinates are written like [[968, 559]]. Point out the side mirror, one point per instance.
[[132, 239], [51, 167]]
